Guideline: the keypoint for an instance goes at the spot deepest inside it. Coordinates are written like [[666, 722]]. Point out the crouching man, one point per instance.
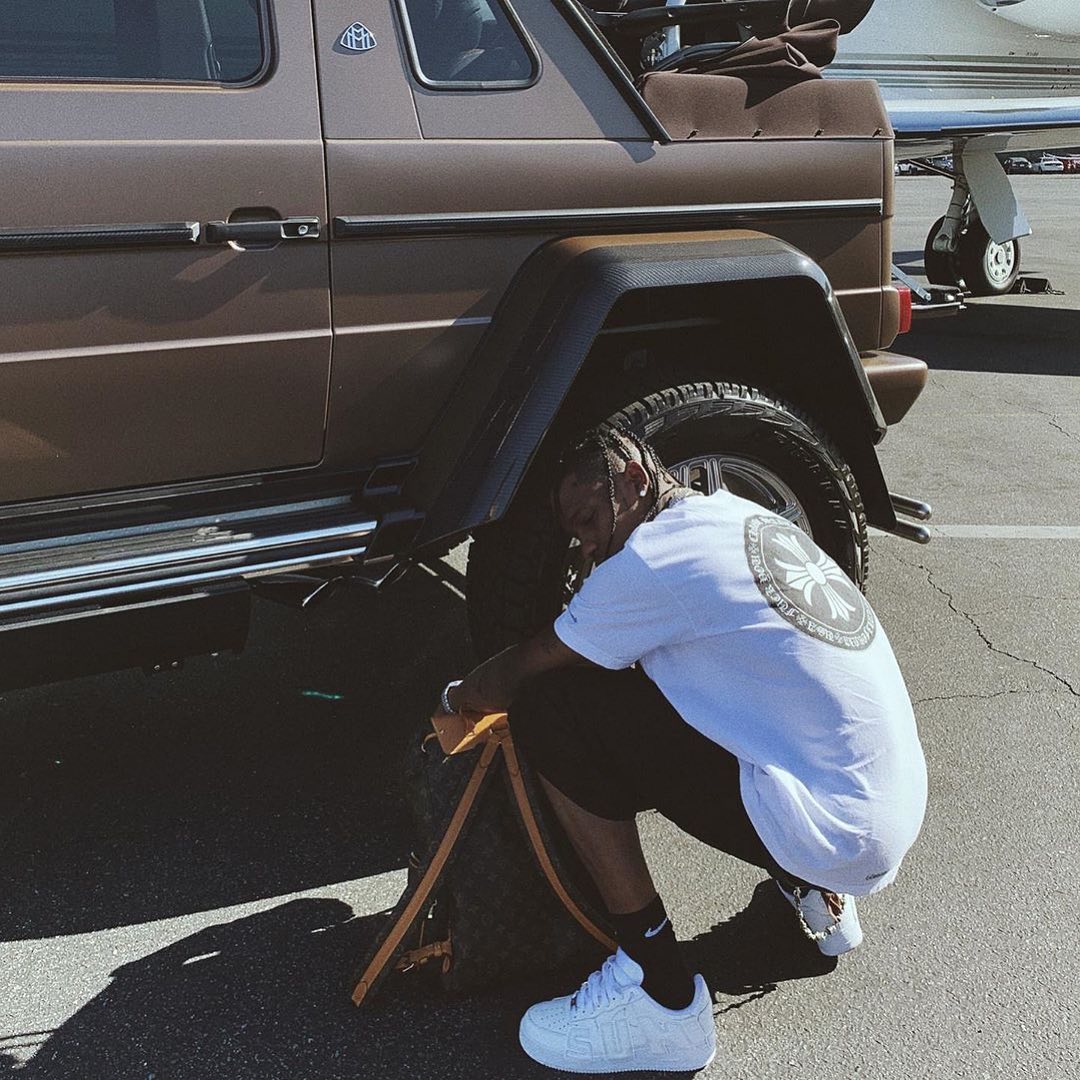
[[719, 667]]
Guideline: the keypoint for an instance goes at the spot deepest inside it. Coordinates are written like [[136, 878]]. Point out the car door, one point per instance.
[[459, 108], [471, 133], [164, 279]]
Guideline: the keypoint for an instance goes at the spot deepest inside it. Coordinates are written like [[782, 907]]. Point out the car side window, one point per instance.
[[468, 45], [201, 41]]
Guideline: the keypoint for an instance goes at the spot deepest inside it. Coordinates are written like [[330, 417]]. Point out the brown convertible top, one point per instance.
[[728, 107]]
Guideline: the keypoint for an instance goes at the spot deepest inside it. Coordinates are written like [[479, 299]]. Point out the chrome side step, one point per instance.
[[105, 567]]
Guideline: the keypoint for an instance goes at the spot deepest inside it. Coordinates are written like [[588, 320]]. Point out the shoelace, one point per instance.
[[599, 989]]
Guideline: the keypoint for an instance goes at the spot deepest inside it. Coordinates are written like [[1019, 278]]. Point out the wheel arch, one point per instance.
[[577, 303]]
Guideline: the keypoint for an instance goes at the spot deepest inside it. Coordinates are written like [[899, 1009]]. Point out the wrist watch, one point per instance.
[[445, 700]]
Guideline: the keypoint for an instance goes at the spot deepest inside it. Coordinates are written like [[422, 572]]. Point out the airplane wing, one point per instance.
[[973, 79], [925, 129]]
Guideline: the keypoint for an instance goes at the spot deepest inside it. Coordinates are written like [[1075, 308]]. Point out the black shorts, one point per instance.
[[612, 744]]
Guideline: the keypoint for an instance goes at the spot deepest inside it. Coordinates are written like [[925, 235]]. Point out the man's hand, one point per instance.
[[491, 687]]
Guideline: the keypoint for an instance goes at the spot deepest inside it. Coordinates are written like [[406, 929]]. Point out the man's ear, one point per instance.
[[637, 476]]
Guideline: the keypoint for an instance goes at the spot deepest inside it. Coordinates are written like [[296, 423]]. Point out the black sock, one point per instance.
[[647, 936]]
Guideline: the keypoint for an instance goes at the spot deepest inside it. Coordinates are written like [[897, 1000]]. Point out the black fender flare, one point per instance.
[[483, 442]]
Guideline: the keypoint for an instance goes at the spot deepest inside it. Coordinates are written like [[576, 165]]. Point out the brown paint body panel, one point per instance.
[[364, 96], [896, 381], [203, 361], [383, 285], [127, 368]]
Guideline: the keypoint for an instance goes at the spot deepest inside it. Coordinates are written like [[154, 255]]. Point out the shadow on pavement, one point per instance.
[[136, 799], [140, 799], [910, 262], [755, 950], [1000, 337], [268, 996]]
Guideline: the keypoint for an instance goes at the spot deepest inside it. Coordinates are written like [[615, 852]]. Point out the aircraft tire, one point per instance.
[[988, 268]]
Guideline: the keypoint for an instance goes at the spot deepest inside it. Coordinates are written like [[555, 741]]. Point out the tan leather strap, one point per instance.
[[431, 876], [525, 808], [415, 957], [460, 732]]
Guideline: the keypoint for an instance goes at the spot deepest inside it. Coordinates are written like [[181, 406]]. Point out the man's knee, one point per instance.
[[544, 702], [562, 726]]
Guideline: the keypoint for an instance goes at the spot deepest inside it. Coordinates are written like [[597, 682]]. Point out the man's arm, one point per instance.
[[491, 686]]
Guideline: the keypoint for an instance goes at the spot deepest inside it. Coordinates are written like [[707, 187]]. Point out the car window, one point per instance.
[[218, 41], [468, 44]]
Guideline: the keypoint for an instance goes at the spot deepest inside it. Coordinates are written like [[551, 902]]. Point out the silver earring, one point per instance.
[[642, 492]]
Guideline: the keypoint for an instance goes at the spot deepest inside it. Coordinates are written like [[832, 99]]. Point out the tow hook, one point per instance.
[[913, 508]]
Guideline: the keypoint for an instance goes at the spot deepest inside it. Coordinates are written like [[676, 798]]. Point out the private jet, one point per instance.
[[973, 79], [964, 81]]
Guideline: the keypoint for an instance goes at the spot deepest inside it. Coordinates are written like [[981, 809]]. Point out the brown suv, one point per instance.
[[292, 291]]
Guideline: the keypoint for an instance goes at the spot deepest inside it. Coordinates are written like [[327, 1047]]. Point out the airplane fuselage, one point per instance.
[[1007, 71]]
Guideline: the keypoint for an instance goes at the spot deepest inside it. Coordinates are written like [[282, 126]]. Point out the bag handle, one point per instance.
[[431, 876], [460, 732], [521, 795]]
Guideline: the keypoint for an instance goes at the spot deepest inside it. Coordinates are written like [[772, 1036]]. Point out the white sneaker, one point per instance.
[[612, 1025], [833, 936]]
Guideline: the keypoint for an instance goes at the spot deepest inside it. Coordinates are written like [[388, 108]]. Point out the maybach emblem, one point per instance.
[[804, 586], [358, 38]]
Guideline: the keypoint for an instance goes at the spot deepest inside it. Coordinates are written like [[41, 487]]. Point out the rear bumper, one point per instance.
[[896, 381]]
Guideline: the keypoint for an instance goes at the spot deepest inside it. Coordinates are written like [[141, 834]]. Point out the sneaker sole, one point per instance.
[[637, 1065], [842, 946]]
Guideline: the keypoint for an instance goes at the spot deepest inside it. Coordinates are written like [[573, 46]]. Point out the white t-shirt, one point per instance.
[[764, 645]]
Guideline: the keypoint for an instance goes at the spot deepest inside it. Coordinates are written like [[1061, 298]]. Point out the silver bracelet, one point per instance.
[[445, 700]]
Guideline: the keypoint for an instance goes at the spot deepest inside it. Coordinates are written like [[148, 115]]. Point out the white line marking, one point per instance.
[[1003, 532]]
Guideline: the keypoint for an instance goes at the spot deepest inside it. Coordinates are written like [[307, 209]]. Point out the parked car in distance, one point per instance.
[[1071, 162], [1050, 165], [1019, 165]]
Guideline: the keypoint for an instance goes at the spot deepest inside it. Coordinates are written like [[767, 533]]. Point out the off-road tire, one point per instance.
[[517, 567]]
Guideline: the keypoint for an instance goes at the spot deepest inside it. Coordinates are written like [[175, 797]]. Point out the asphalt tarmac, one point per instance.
[[192, 863]]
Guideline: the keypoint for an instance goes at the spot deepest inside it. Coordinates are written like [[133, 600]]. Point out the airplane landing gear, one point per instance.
[[941, 268], [984, 267], [988, 268]]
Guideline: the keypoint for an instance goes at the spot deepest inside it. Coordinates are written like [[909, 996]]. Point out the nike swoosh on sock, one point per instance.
[[656, 929]]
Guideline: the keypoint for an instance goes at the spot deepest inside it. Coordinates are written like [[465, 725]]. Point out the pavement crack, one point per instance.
[[977, 697], [1051, 419], [1057, 427], [986, 640]]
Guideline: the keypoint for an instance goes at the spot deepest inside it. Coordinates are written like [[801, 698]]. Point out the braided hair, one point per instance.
[[595, 455]]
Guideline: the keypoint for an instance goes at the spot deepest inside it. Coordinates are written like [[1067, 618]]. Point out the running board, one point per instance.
[[121, 565]]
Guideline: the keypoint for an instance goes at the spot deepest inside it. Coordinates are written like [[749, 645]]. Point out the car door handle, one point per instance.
[[262, 232]]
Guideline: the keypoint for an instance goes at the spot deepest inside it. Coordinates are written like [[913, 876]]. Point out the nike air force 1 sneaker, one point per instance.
[[611, 1025], [845, 933]]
